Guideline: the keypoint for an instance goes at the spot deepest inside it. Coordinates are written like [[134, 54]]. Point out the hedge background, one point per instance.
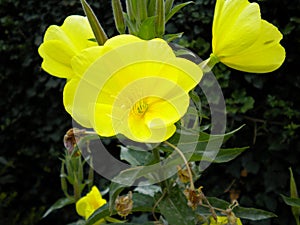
[[33, 120]]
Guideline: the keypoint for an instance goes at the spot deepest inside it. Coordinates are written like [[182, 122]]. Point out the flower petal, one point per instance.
[[78, 29], [76, 96], [265, 55], [54, 67], [239, 26]]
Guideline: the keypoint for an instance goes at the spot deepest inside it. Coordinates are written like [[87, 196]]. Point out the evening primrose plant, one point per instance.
[[138, 91]]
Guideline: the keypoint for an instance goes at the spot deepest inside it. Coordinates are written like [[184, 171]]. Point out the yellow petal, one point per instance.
[[120, 40], [76, 100], [265, 55], [101, 120], [86, 205], [239, 26], [54, 67], [79, 31], [58, 51], [81, 62]]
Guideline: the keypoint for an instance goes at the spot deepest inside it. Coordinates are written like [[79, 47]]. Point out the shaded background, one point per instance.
[[33, 120]]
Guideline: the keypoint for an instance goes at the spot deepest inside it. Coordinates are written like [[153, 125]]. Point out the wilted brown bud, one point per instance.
[[232, 219], [124, 204], [194, 197], [183, 174], [71, 137]]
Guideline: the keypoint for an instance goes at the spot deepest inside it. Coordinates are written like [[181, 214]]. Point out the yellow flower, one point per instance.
[[90, 203], [62, 43], [132, 87], [244, 41], [223, 220]]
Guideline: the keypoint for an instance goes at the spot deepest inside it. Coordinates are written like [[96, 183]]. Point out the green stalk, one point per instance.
[[169, 5]]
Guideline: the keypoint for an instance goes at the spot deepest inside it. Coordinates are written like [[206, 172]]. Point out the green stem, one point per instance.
[[209, 63]]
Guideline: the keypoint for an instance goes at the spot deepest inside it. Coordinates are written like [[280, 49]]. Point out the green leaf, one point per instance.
[[294, 194], [98, 31], [224, 155], [175, 9], [175, 209], [291, 201], [147, 29], [242, 212], [172, 37], [59, 204], [135, 157], [141, 203], [114, 190], [252, 213], [169, 5]]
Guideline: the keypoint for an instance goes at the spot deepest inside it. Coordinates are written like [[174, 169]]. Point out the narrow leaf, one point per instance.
[[98, 31], [291, 201], [169, 5], [172, 37], [175, 9], [60, 203], [294, 194]]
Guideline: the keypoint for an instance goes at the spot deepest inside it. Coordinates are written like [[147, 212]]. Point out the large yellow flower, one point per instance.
[[242, 40], [62, 43], [90, 203], [132, 87]]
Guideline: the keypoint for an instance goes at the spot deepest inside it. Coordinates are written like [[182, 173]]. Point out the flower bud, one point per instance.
[[160, 18], [118, 16]]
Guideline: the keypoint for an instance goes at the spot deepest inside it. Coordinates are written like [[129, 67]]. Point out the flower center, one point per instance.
[[140, 108]]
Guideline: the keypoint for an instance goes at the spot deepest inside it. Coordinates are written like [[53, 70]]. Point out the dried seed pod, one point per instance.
[[124, 204]]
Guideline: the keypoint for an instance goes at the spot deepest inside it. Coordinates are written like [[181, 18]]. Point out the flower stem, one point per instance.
[[209, 63], [185, 162]]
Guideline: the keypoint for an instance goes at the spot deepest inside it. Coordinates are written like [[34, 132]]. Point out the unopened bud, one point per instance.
[[160, 18], [118, 16], [124, 204]]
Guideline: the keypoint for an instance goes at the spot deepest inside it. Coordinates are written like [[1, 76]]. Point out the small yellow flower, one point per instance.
[[90, 203], [223, 220], [244, 41], [132, 87], [62, 43]]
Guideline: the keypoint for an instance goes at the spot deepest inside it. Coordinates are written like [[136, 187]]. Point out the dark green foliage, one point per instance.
[[33, 120]]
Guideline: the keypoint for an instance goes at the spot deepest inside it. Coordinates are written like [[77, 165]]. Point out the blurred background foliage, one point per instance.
[[33, 120]]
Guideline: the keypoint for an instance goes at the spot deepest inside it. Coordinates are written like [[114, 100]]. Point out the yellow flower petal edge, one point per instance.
[[88, 204], [62, 43], [222, 220], [124, 89], [242, 40]]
